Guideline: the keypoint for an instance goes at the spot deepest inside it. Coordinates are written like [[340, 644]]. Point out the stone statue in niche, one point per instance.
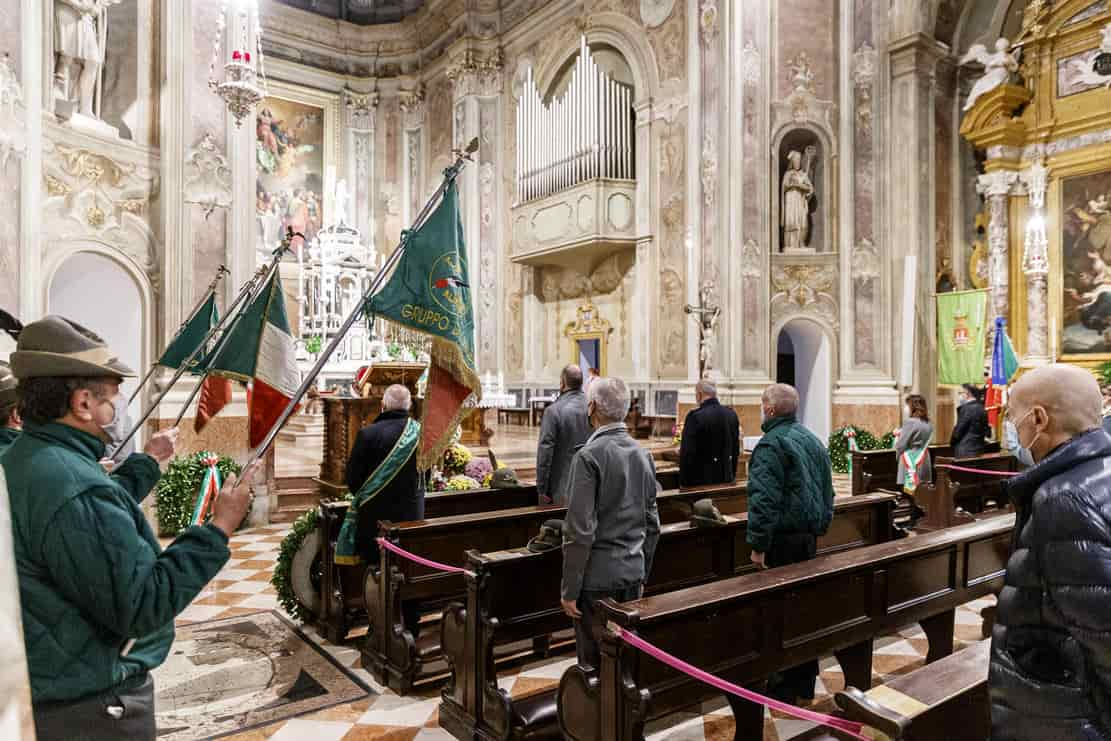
[[707, 312], [80, 35], [998, 68], [798, 193], [341, 201]]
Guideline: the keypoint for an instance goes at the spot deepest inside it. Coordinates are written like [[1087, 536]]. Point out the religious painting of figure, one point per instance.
[[289, 191], [1085, 256]]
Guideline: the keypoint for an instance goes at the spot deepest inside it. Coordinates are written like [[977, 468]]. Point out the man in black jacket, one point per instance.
[[403, 498], [1051, 647], [969, 438], [711, 441]]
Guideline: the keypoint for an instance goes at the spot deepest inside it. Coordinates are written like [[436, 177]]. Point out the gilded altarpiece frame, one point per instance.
[[588, 327]]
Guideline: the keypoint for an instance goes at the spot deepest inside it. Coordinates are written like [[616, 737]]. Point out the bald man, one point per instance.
[[563, 430], [1051, 647]]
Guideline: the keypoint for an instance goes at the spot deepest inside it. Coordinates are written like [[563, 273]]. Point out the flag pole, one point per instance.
[[450, 174], [220, 272], [249, 290]]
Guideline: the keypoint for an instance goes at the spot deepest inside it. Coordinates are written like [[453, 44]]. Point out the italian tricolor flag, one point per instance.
[[260, 352]]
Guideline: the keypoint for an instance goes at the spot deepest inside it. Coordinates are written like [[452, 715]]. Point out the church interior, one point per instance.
[[750, 192]]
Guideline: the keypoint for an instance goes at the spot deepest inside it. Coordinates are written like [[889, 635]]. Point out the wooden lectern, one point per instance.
[[345, 416]]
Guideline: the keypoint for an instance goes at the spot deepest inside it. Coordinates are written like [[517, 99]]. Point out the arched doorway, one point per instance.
[[805, 361], [98, 293]]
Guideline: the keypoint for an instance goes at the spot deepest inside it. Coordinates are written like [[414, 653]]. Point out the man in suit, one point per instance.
[[711, 443], [396, 492], [565, 427]]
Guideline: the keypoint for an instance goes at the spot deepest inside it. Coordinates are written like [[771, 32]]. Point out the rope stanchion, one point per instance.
[[849, 727], [394, 548], [962, 469]]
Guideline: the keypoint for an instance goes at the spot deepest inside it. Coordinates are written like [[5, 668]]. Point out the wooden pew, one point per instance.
[[876, 470], [344, 608], [955, 497], [336, 581], [513, 597], [390, 651], [745, 628], [946, 699]]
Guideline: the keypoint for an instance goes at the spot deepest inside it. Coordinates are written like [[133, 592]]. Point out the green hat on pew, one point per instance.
[[550, 537], [504, 478], [705, 514], [56, 347], [7, 386]]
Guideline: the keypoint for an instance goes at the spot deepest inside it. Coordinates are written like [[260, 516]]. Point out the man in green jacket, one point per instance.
[[98, 595], [10, 422], [790, 503]]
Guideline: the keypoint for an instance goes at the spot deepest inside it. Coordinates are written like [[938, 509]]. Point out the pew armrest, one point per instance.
[[579, 706], [859, 707]]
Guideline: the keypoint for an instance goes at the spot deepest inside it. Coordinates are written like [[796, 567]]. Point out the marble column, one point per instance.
[[32, 293], [176, 129], [477, 82], [913, 59], [996, 187], [1035, 264], [644, 339]]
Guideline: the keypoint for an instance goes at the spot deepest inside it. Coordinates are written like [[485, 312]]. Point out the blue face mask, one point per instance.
[[1010, 436]]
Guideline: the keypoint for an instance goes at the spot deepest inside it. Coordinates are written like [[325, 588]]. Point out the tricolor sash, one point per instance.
[[850, 435], [911, 459], [210, 489], [378, 480]]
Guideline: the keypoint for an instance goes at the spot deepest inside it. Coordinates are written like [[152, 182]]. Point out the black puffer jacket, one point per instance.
[[1051, 647]]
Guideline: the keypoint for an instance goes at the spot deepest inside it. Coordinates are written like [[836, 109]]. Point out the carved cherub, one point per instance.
[[998, 68]]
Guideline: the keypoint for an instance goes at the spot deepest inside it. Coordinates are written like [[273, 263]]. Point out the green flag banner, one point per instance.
[[961, 337], [190, 337], [430, 292]]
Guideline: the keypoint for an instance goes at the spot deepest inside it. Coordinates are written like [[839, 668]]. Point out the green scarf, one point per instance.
[[378, 480]]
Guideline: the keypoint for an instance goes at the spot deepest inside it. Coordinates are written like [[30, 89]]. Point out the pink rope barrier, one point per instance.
[[849, 727], [418, 559], [985, 472]]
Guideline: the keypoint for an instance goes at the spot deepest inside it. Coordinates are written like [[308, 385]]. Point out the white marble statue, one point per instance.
[[79, 35], [998, 68], [798, 190]]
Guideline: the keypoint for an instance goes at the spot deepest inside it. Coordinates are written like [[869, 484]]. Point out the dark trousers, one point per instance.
[[586, 632], [798, 681], [124, 712]]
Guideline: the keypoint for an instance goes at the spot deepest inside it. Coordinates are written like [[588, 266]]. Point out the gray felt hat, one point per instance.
[[57, 347]]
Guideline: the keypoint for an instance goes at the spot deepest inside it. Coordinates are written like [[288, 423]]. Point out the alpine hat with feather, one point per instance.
[[57, 347]]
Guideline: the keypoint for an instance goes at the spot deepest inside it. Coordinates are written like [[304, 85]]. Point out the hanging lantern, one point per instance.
[[244, 77]]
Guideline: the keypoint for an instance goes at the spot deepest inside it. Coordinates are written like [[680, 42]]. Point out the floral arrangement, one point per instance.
[[461, 483], [839, 445], [176, 493], [283, 569], [487, 480], [314, 344], [456, 459], [478, 469], [677, 434], [436, 480]]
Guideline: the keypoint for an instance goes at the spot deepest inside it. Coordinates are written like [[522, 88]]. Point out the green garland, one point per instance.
[[176, 493], [283, 568], [839, 445]]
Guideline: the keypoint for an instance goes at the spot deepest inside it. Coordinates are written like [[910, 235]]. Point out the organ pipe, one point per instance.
[[583, 134]]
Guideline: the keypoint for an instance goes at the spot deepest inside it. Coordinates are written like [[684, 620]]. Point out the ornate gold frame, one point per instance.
[[589, 326]]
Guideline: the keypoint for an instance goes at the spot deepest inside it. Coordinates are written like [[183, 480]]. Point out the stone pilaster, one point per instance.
[[177, 264], [477, 82], [32, 294], [913, 59], [360, 115]]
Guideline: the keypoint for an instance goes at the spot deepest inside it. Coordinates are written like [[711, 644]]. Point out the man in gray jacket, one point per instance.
[[564, 428], [612, 525]]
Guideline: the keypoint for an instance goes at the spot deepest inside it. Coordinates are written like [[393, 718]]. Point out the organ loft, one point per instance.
[[521, 369]]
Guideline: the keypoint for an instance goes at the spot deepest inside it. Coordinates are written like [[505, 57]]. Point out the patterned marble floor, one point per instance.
[[243, 586]]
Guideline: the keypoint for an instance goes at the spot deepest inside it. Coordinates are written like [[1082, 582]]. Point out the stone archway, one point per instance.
[[806, 356]]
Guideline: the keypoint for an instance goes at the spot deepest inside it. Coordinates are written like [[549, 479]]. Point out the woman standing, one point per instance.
[[971, 431], [910, 447]]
